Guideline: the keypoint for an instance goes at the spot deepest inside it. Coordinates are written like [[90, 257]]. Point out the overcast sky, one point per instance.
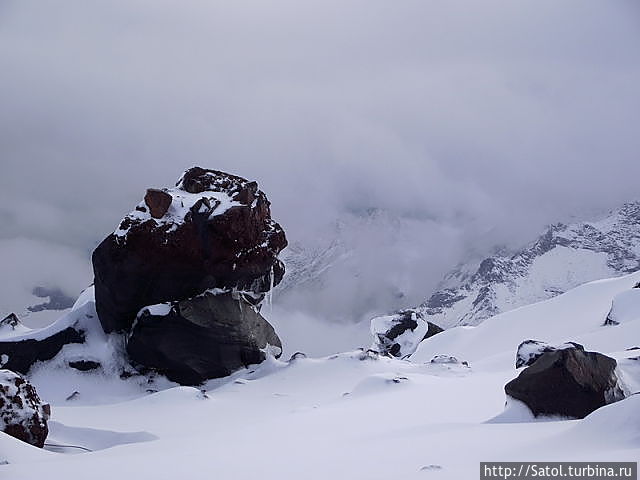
[[474, 123]]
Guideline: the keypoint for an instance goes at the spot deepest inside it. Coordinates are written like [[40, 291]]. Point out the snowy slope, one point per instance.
[[563, 257], [348, 415]]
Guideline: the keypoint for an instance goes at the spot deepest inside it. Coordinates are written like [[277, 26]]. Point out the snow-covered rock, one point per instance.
[[625, 307], [400, 334], [530, 350], [564, 257], [216, 232], [22, 414], [568, 382]]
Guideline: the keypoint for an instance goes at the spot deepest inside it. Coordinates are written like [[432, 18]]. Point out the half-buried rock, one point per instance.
[[213, 230], [22, 414], [208, 336], [569, 382], [399, 334]]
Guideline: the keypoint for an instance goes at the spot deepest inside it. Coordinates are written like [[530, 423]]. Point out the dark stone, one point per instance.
[[530, 350], [84, 365], [22, 354], [22, 414], [148, 262], [158, 202], [433, 330], [569, 382], [208, 336]]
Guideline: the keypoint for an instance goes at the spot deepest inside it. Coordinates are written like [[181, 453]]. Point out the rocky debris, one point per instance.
[[217, 232], [448, 360], [399, 334], [569, 382], [22, 414], [478, 290], [58, 300], [20, 354], [208, 336], [530, 350], [625, 307]]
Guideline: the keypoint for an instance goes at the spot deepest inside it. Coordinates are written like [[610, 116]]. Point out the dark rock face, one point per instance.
[[208, 336], [20, 355], [400, 334], [531, 350], [22, 413], [216, 232], [568, 382]]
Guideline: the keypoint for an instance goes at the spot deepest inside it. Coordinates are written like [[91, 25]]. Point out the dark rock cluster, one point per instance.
[[182, 278]]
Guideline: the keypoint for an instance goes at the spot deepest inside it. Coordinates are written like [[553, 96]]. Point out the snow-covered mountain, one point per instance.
[[561, 258]]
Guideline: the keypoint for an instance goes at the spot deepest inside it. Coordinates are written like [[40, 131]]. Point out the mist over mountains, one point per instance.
[[469, 126]]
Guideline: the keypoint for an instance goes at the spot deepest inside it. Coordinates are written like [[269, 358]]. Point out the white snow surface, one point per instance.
[[626, 306], [351, 415]]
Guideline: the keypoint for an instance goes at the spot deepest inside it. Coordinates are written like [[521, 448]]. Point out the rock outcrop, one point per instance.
[[399, 335], [22, 414], [215, 232], [208, 336], [181, 282], [568, 382], [20, 348]]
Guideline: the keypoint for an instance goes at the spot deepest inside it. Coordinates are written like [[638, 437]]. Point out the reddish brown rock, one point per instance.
[[22, 414], [158, 202], [218, 233]]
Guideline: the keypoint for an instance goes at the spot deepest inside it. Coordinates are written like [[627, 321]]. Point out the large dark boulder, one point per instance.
[[22, 414], [569, 382], [399, 334], [215, 232], [208, 336]]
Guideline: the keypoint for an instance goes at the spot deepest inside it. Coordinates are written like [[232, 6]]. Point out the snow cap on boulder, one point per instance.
[[531, 350]]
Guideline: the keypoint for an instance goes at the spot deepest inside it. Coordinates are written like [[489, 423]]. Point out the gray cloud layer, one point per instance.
[[472, 122]]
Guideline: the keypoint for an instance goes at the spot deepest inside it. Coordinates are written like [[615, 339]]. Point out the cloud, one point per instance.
[[474, 123]]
